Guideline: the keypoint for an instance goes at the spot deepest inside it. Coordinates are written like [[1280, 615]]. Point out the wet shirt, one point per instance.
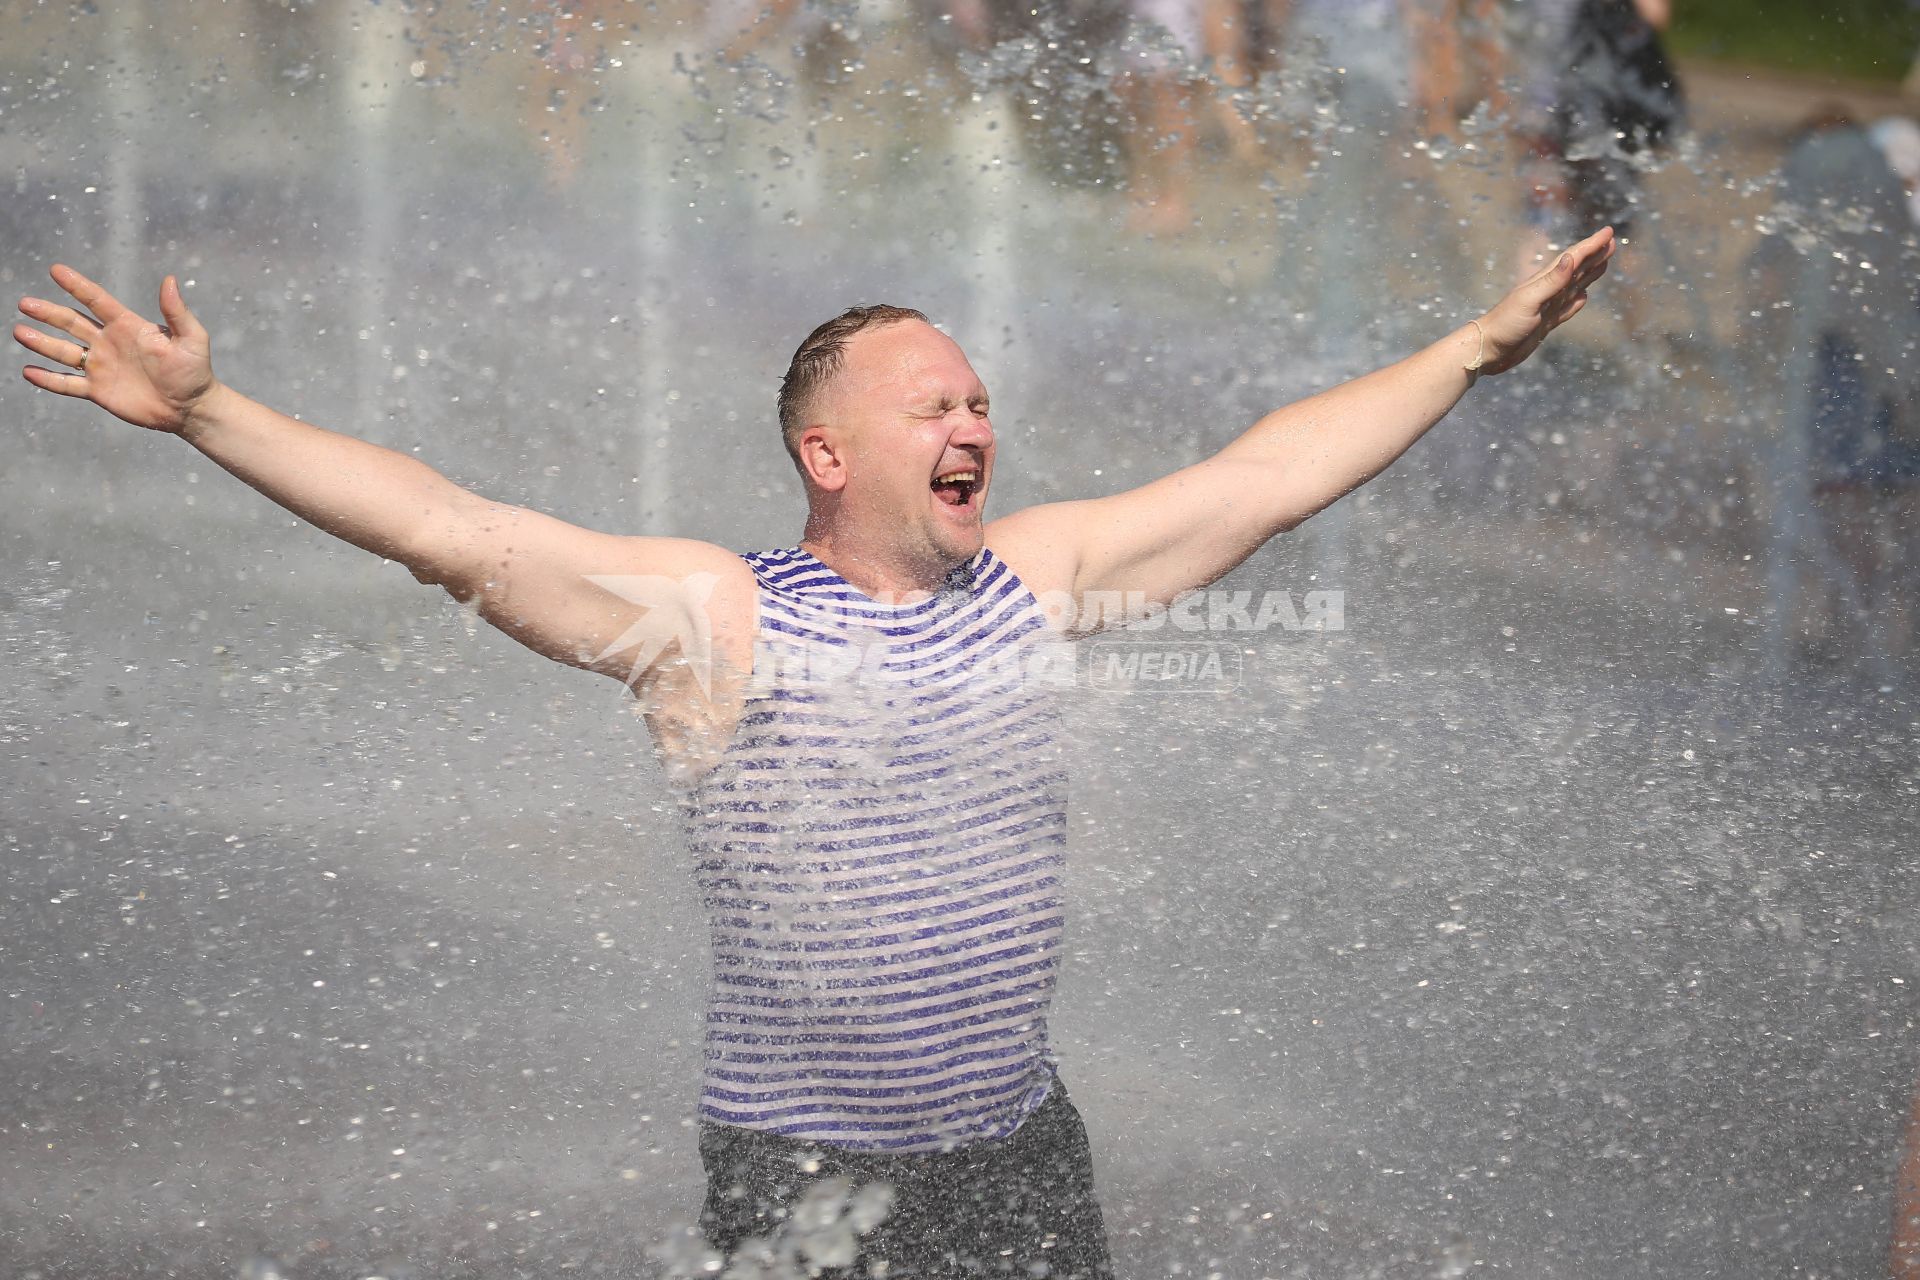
[[880, 851]]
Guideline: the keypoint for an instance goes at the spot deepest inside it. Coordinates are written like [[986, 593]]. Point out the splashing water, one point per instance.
[[1552, 915]]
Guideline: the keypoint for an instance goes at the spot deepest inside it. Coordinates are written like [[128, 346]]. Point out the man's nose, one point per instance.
[[974, 431]]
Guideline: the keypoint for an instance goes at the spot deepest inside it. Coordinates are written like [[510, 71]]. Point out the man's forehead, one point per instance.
[[908, 354]]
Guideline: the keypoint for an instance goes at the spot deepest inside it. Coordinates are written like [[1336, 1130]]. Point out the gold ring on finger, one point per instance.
[[83, 361]]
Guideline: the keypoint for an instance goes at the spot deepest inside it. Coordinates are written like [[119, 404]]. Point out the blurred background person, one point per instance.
[[569, 47], [1460, 62], [1898, 140], [1231, 28], [1361, 191], [1836, 333], [1600, 96], [1064, 64], [740, 29], [1160, 54], [1164, 55], [1383, 73]]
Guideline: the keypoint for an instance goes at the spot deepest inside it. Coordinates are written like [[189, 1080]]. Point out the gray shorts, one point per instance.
[[1020, 1206]]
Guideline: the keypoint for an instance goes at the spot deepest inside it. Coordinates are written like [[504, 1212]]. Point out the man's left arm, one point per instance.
[[1190, 528]]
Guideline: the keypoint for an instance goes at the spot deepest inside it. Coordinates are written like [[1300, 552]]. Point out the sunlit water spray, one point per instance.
[[370, 100], [1502, 929]]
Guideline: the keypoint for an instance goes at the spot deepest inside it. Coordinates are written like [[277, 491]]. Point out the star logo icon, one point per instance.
[[675, 613]]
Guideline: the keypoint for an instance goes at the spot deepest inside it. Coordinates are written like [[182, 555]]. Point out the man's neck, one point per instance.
[[877, 575]]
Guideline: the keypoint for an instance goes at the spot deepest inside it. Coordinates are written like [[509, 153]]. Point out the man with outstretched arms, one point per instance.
[[872, 786]]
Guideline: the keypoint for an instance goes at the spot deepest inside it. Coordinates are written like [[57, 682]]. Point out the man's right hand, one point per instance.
[[154, 376]]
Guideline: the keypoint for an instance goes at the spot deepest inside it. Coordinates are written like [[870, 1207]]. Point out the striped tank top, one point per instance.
[[880, 850]]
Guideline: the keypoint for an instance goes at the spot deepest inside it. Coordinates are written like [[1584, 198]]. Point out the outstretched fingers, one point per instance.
[[1569, 309], [88, 294], [1592, 254], [1600, 242], [1574, 272], [63, 384], [1596, 266], [58, 350], [1582, 261], [66, 319], [1576, 287]]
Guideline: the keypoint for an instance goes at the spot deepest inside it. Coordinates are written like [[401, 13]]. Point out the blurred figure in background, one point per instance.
[[1068, 69], [1384, 75], [1159, 56], [570, 46], [957, 24], [1358, 56], [1600, 95], [1360, 53], [1898, 140], [1164, 54], [1230, 32], [1461, 62], [1447, 54], [740, 29], [1836, 324]]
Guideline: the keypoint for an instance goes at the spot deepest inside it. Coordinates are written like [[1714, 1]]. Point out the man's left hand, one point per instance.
[[1523, 319]]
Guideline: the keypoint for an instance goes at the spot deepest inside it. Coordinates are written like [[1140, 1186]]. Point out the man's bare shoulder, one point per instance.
[[656, 571], [654, 600], [1040, 544], [479, 542], [682, 557], [607, 602]]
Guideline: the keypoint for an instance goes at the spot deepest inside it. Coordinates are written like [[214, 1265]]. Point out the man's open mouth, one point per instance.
[[957, 488]]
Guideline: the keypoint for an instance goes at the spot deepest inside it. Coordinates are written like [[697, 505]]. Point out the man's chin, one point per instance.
[[957, 534], [959, 544]]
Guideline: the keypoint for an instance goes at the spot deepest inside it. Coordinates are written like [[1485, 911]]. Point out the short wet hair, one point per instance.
[[820, 357]]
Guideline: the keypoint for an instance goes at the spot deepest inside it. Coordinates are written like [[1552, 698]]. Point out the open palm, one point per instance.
[[151, 375], [1521, 321]]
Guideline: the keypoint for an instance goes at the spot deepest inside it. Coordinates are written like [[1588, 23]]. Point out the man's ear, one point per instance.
[[823, 457]]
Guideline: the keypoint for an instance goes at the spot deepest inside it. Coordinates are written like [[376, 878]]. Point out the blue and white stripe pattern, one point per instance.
[[880, 849]]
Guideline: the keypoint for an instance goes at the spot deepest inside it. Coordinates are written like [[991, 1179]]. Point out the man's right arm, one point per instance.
[[568, 593], [612, 604]]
